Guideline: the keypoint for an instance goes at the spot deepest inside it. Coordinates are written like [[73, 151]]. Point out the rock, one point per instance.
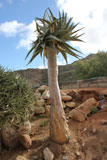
[[39, 110], [25, 128], [48, 155], [62, 93], [21, 158], [40, 103], [9, 137], [75, 95], [86, 94], [80, 113], [78, 153], [77, 115], [25, 141], [47, 110], [88, 105], [94, 130], [70, 104], [37, 96], [102, 103], [42, 88], [66, 98], [46, 94]]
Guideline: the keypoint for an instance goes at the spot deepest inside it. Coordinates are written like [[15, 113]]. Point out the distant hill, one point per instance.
[[38, 77]]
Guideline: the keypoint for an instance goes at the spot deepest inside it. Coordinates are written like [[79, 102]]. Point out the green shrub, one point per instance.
[[93, 111], [92, 67], [16, 98]]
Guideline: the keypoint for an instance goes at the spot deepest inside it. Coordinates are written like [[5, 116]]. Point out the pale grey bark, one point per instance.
[[59, 131]]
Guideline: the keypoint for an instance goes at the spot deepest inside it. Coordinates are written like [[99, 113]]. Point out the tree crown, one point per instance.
[[55, 33]]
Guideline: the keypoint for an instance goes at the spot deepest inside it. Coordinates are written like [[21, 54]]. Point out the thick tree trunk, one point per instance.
[[59, 131]]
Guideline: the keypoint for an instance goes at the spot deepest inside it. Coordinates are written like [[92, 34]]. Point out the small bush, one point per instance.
[[16, 98], [93, 111]]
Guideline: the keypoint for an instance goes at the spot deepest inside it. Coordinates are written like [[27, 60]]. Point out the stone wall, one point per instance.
[[89, 83]]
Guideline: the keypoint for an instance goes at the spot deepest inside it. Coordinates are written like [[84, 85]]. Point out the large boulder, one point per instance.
[[9, 137], [80, 113], [77, 115], [88, 105]]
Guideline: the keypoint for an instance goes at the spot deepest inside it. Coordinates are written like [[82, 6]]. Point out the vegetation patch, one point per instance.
[[93, 111], [16, 98]]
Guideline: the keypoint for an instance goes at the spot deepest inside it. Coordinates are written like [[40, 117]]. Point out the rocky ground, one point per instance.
[[86, 113]]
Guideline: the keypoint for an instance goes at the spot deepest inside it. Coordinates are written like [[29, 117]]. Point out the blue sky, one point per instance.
[[17, 28]]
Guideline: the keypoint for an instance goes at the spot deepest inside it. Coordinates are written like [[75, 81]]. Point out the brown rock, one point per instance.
[[94, 130], [40, 103], [77, 115], [37, 96], [88, 105], [81, 112], [42, 88], [39, 110], [25, 128], [46, 94], [75, 95], [66, 98], [70, 104], [25, 140], [9, 137], [86, 94], [63, 93]]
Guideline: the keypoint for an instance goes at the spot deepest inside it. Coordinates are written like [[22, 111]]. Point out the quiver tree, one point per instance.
[[52, 37]]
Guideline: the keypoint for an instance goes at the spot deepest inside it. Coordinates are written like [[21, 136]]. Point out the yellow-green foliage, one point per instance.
[[16, 98], [94, 67]]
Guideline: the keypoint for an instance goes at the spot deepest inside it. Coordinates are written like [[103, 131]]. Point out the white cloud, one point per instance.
[[27, 36], [10, 29], [25, 32], [61, 62], [43, 67], [93, 16]]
